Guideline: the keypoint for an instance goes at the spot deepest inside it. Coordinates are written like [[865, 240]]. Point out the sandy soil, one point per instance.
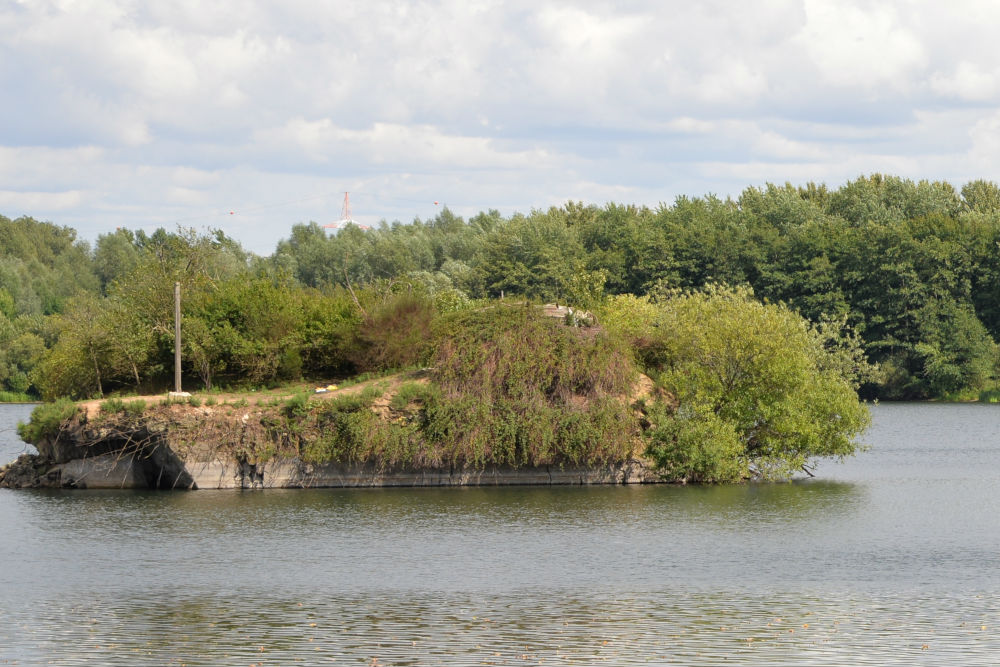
[[391, 382]]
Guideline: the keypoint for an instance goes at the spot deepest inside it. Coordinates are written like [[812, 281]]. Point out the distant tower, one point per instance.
[[345, 215], [345, 211]]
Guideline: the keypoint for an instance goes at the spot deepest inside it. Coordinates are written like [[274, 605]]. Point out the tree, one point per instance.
[[982, 196], [749, 389], [75, 365], [131, 343], [249, 325], [115, 255], [529, 256]]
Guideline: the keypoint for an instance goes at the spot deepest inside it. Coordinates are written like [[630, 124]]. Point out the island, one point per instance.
[[516, 393]]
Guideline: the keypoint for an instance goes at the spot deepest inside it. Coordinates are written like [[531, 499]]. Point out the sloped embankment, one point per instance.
[[369, 435]]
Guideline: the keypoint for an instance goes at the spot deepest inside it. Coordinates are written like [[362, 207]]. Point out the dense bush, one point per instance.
[[347, 430], [396, 331], [755, 390], [518, 388], [46, 420]]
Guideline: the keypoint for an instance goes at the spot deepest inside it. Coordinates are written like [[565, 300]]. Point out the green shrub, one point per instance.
[[989, 396], [756, 390], [342, 423], [412, 392], [135, 408], [194, 401], [694, 447], [113, 406], [518, 388], [297, 406], [16, 397], [350, 432], [46, 420]]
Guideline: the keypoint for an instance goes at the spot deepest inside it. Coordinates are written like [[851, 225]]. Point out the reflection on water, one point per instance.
[[890, 559], [517, 628]]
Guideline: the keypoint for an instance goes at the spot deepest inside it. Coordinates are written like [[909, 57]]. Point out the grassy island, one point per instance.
[[696, 386]]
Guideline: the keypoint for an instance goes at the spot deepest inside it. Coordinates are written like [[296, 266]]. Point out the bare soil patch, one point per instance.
[[268, 396]]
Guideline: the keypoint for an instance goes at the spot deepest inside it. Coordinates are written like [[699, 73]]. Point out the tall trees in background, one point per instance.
[[913, 267]]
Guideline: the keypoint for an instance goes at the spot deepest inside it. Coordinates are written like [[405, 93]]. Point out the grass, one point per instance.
[[16, 397], [412, 392], [46, 420], [112, 406], [297, 405], [990, 396]]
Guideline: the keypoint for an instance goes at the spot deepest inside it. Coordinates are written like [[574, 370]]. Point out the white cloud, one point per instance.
[[968, 81], [731, 82], [25, 167], [862, 46], [24, 202], [691, 125], [128, 113], [395, 145], [984, 138]]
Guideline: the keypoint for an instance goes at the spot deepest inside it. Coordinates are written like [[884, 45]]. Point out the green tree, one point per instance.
[[752, 390], [250, 325], [331, 344], [115, 255], [981, 196], [529, 256], [76, 365]]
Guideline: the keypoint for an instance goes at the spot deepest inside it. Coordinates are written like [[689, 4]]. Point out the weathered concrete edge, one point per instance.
[[128, 472]]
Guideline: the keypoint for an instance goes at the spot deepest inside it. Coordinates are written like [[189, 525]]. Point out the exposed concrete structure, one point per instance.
[[131, 471], [173, 454]]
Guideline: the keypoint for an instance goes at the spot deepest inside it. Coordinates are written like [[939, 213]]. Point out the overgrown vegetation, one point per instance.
[[759, 320], [910, 266], [739, 390], [16, 397], [46, 420], [518, 388], [755, 390]]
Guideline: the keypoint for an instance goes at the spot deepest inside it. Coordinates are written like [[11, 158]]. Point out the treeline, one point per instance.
[[911, 267]]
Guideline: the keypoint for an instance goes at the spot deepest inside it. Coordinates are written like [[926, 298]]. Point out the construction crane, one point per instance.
[[345, 216]]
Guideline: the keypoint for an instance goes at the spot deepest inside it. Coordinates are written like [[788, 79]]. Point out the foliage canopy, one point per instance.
[[755, 390]]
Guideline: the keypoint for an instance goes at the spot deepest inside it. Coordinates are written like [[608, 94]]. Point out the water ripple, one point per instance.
[[525, 628]]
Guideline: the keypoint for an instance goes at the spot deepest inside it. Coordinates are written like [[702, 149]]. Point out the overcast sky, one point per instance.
[[253, 116]]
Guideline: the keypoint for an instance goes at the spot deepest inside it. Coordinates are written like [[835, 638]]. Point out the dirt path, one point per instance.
[[390, 382]]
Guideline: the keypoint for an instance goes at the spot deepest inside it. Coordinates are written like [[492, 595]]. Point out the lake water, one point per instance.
[[890, 558]]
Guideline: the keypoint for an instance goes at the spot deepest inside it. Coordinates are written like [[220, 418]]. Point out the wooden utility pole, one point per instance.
[[177, 337]]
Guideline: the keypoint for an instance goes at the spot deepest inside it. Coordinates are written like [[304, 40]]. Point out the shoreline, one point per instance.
[[236, 445], [161, 471]]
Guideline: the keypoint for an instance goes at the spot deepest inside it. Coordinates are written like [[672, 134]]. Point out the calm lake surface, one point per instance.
[[890, 558]]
